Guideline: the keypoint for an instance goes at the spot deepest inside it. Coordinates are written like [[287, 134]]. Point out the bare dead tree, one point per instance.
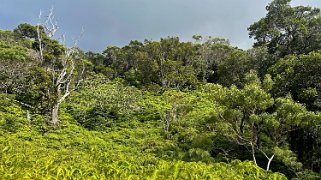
[[64, 78]]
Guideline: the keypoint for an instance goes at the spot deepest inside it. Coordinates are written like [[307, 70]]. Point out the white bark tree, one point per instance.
[[65, 77]]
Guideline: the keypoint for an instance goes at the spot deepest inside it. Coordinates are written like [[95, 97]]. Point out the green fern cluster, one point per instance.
[[75, 153]]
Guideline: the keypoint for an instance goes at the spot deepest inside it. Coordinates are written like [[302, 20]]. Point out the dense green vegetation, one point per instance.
[[164, 109]]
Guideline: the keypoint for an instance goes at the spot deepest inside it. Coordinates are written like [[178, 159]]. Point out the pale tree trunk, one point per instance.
[[269, 162], [55, 107], [162, 73], [167, 124], [254, 158], [269, 159], [174, 111], [253, 153], [55, 115]]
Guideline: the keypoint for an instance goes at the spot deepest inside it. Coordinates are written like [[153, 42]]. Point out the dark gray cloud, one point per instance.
[[116, 22]]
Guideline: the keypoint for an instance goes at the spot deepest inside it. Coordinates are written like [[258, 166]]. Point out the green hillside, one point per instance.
[[164, 109]]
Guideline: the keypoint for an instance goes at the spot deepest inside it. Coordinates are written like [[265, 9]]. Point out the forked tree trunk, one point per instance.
[[269, 159], [269, 162]]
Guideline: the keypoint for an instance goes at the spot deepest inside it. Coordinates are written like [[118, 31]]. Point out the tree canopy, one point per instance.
[[288, 30]]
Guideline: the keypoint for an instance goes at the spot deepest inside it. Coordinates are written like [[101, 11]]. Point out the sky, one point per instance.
[[117, 22]]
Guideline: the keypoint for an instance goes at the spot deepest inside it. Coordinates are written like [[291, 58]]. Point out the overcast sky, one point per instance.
[[116, 22]]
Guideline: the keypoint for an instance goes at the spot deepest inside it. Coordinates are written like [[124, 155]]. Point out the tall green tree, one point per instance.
[[253, 119], [288, 30], [299, 75], [233, 68]]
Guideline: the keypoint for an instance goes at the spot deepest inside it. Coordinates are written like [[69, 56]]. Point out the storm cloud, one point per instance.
[[116, 22]]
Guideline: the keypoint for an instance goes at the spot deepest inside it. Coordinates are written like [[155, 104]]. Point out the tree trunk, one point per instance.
[[253, 153], [28, 116], [54, 115], [269, 163]]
